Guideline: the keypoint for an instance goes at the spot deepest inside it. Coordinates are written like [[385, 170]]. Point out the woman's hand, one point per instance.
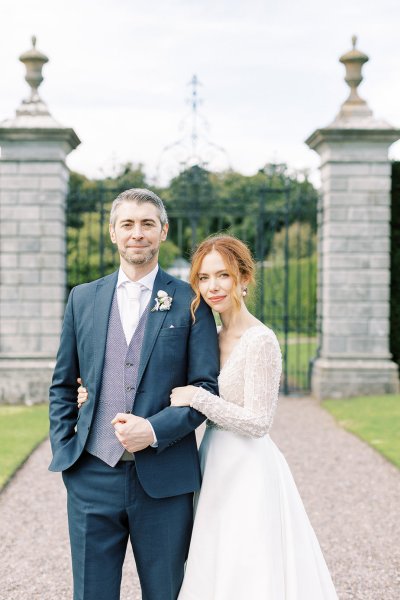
[[82, 393], [183, 396]]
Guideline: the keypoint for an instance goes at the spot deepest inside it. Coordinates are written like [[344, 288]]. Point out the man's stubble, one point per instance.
[[143, 259]]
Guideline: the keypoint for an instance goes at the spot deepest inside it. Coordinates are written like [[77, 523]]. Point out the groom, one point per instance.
[[128, 459]]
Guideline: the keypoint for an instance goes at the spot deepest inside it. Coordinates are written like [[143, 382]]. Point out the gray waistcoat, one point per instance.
[[118, 387]]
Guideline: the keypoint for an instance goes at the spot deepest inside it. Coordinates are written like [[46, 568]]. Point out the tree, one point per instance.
[[256, 208]]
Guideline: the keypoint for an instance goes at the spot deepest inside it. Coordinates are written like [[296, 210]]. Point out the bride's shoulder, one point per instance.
[[262, 335]]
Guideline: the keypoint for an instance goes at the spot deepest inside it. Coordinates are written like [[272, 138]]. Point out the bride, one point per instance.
[[252, 539]]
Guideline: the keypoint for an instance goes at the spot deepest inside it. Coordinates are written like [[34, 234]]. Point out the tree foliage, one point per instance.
[[273, 211], [230, 201]]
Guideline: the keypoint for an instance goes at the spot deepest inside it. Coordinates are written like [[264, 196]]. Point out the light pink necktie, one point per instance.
[[132, 315]]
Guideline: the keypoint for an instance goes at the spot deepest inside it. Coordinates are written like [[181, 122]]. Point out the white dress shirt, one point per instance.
[[147, 284]]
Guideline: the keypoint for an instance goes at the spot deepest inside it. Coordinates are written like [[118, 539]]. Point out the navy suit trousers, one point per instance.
[[107, 506]]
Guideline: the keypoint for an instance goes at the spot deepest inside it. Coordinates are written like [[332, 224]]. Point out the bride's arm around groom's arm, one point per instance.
[[251, 406]]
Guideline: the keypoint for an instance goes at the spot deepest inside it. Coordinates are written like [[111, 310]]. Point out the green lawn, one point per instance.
[[22, 428], [374, 419]]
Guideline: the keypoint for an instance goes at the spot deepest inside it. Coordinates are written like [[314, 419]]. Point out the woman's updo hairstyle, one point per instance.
[[238, 262]]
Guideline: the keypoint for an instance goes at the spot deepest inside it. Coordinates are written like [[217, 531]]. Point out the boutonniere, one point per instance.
[[163, 301]]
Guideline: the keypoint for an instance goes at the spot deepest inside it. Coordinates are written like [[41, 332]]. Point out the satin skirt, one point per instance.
[[252, 539]]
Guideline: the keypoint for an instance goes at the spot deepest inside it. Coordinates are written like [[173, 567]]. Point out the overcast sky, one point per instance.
[[270, 75]]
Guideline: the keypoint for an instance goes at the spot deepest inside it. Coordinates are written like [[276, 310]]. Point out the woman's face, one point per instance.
[[215, 283]]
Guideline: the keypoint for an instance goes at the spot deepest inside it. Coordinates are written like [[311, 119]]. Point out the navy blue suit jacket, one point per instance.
[[186, 353]]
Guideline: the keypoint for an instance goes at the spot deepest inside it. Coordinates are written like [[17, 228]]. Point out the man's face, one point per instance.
[[138, 233]]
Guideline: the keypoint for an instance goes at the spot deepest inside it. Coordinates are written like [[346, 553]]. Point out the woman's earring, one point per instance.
[[244, 291]]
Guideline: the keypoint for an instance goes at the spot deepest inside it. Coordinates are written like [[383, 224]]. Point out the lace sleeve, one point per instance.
[[263, 365]]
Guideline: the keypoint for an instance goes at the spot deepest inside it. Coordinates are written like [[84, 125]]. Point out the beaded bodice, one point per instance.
[[248, 385]]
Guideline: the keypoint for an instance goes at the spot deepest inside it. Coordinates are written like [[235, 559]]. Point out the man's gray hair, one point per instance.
[[140, 196]]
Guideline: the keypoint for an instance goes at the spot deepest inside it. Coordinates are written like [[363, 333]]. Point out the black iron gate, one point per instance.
[[278, 223]]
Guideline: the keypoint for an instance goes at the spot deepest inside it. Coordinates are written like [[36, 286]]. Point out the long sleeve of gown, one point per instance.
[[248, 398]]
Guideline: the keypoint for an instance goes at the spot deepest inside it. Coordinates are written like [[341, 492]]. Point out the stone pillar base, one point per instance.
[[339, 378], [25, 380]]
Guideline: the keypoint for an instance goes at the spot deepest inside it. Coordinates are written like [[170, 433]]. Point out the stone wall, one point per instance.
[[354, 251], [32, 254], [33, 188]]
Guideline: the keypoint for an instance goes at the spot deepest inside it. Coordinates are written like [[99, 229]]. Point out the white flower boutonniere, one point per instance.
[[163, 301]]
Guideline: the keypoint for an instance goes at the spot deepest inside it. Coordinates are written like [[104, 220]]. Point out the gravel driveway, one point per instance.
[[352, 496]]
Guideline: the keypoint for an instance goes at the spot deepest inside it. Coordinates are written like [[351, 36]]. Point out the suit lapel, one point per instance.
[[102, 306], [154, 321]]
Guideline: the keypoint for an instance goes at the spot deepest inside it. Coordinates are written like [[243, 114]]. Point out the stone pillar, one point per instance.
[[354, 246], [33, 187]]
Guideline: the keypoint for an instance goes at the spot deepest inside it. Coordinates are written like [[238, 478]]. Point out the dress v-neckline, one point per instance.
[[237, 344]]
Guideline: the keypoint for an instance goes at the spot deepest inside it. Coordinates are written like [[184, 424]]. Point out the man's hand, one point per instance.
[[134, 433]]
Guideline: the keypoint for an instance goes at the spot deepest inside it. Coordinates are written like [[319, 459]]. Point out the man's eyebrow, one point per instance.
[[128, 220]]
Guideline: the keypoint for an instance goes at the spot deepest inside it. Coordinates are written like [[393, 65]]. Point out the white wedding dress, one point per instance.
[[252, 539]]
